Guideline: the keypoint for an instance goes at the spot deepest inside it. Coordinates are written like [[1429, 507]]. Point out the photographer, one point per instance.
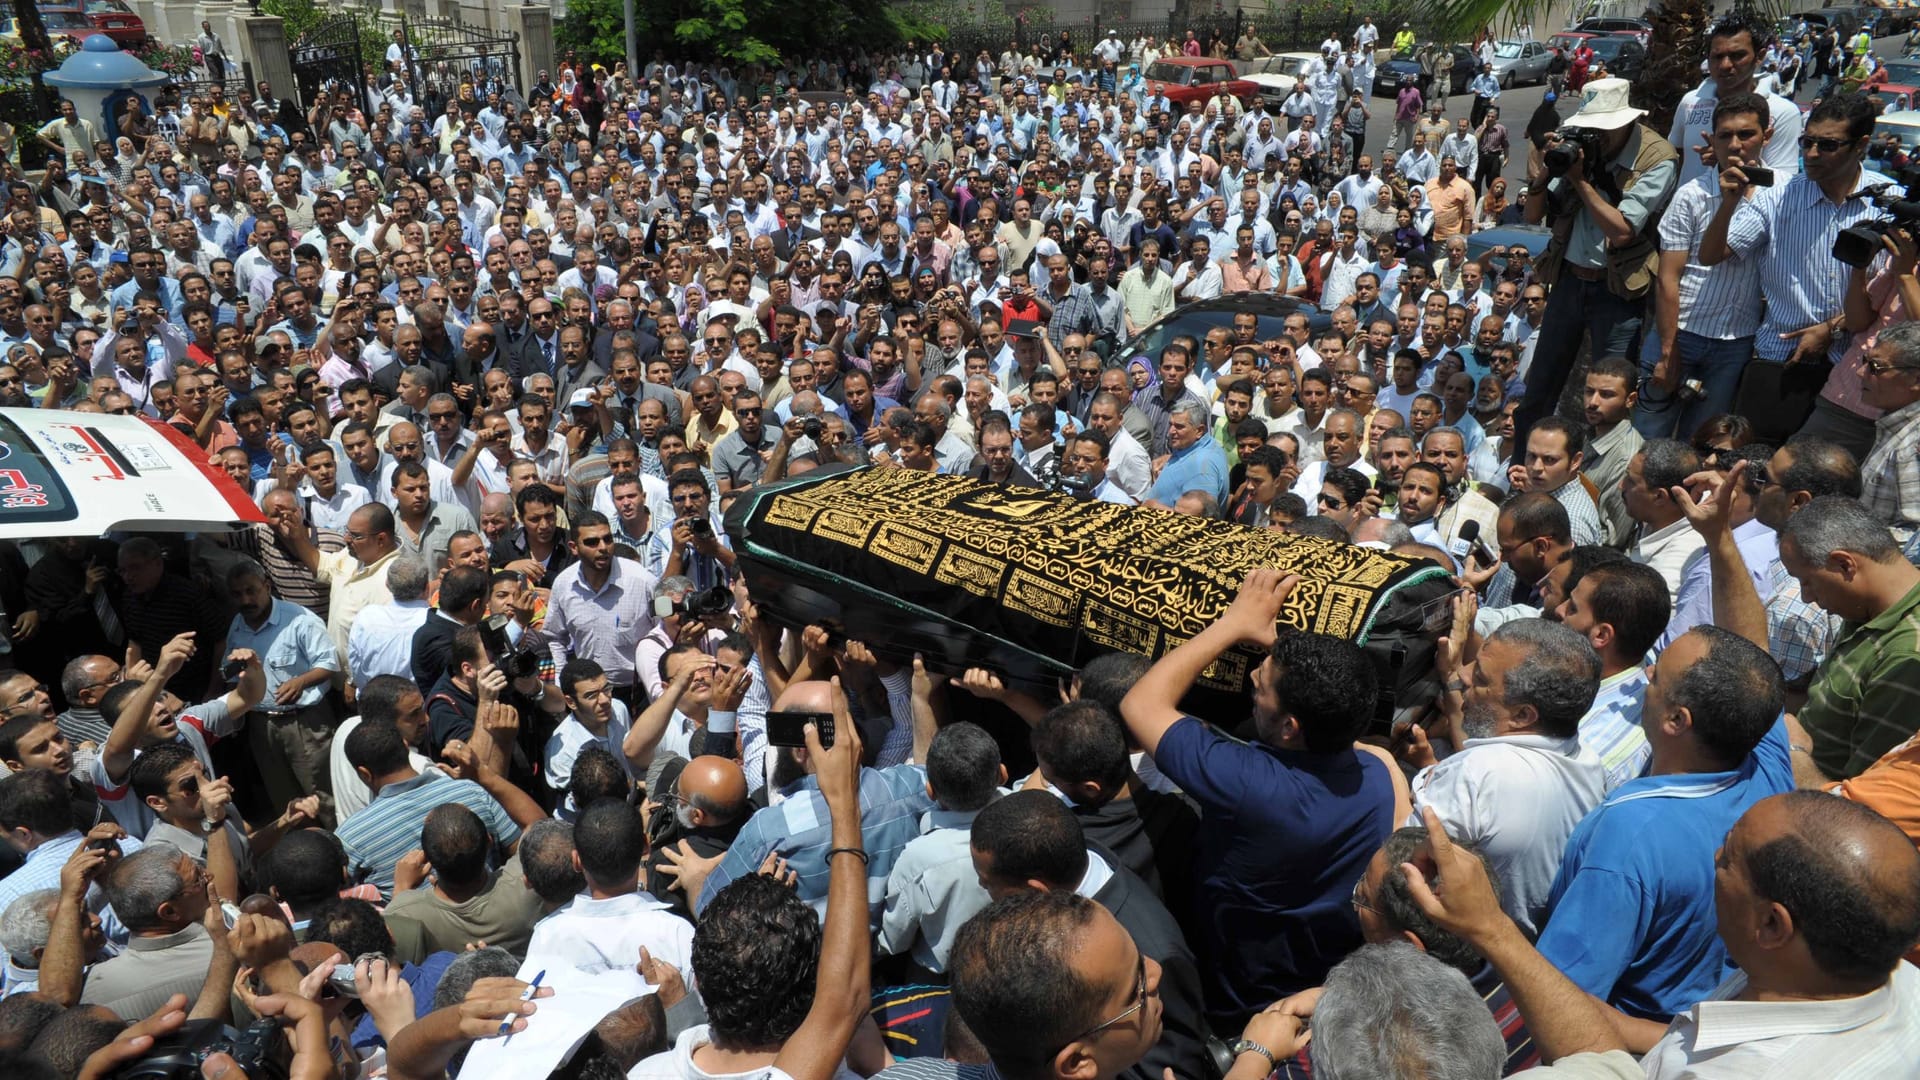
[[1788, 233], [1602, 182], [695, 542]]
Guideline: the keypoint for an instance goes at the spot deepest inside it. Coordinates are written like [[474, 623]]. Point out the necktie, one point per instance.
[[109, 619], [546, 347]]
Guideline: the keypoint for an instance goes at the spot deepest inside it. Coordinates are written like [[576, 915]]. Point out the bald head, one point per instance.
[[715, 790], [1822, 891]]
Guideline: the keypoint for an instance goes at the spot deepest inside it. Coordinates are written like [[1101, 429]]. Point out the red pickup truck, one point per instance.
[[1187, 78]]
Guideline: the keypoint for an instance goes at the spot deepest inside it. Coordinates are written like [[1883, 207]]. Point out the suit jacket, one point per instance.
[[566, 380], [1183, 1038], [645, 345], [783, 245], [521, 357]]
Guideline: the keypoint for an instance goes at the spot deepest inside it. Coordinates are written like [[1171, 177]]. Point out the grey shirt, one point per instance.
[[739, 463], [149, 971], [443, 520]]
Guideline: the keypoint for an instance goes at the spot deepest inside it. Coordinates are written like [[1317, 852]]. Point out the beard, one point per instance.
[[1479, 722], [787, 769]]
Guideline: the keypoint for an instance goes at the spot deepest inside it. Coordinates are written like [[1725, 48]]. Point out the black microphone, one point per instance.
[[1468, 541]]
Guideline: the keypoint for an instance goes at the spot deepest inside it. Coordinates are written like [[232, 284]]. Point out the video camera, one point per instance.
[[698, 603], [515, 663], [258, 1050], [1857, 245], [1558, 158]]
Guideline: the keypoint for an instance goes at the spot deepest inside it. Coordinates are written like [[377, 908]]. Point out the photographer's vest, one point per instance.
[[1630, 269]]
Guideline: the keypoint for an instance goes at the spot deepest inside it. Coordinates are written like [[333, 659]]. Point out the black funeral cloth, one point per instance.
[[969, 572]]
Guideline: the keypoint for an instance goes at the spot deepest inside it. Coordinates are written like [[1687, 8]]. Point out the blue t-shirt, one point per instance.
[[1284, 836], [1631, 919]]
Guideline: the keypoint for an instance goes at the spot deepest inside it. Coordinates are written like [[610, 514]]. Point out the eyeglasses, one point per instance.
[[1825, 146], [1359, 899], [1873, 367], [594, 541], [1331, 502], [1139, 1002]]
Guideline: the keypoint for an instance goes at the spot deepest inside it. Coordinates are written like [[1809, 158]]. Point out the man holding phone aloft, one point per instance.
[[1705, 316]]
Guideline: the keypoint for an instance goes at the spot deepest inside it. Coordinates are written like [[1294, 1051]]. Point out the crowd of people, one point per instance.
[[478, 756]]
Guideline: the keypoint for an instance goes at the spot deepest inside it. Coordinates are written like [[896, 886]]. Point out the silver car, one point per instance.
[[1515, 62]]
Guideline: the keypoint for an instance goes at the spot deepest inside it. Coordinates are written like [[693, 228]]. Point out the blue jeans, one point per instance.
[[1579, 312], [1717, 364]]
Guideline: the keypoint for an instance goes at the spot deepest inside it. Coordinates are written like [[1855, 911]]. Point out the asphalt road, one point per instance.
[[1517, 106]]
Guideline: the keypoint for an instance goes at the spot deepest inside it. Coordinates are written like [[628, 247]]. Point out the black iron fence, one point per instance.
[[1297, 29]]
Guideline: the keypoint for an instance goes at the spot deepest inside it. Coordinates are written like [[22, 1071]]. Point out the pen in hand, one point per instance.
[[527, 995]]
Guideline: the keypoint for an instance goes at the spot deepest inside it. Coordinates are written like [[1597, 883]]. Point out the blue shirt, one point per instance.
[[1200, 467], [375, 838], [1789, 230], [1284, 836], [1631, 918], [800, 831], [167, 289], [292, 642]]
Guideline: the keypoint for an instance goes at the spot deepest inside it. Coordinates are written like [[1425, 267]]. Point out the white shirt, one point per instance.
[[601, 935], [1128, 465], [381, 640], [350, 793], [1667, 550], [1516, 798], [1860, 1038], [325, 513], [571, 737]]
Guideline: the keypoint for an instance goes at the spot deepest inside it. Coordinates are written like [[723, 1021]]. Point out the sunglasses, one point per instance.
[[1825, 146]]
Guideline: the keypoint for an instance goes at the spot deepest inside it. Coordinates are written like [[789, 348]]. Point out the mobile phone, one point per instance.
[[1383, 485], [788, 727], [232, 670], [1437, 614], [1757, 175], [229, 914], [341, 980]]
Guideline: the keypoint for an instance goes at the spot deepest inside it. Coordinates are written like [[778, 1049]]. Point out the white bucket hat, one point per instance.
[[1603, 106]]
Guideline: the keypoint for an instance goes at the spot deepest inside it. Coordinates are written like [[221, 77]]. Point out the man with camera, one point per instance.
[[1705, 316], [1788, 232], [1602, 182], [694, 543]]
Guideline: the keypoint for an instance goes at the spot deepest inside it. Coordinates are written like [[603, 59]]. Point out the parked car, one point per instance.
[[69, 25], [1190, 78], [1905, 69], [1197, 318], [1614, 25], [1904, 126], [113, 17], [1520, 61], [1275, 75], [1563, 44], [1625, 57], [1894, 97], [1386, 81]]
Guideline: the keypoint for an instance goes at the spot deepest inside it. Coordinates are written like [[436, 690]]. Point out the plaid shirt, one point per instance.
[[1611, 728], [1890, 476], [1864, 699], [1798, 633], [799, 830]]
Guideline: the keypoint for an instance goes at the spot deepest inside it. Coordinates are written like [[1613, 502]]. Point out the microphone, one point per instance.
[[1467, 542]]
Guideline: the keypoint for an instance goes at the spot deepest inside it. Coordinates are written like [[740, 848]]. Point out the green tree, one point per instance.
[[734, 31], [33, 37]]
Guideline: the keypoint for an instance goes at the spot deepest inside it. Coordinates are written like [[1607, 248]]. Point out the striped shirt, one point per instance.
[[1720, 302], [1890, 475], [376, 838], [1582, 515], [799, 829], [1798, 633], [1788, 232], [604, 625], [1611, 728], [1863, 700], [1874, 1035]]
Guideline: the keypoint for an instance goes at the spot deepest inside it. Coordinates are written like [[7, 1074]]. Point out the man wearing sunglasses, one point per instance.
[[1787, 232]]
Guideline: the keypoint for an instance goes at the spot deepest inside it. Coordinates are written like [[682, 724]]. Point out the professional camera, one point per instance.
[[812, 427], [1558, 158], [700, 602], [258, 1050], [515, 663], [1856, 246], [700, 526]]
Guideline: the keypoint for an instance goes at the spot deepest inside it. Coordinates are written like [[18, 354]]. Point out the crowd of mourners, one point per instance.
[[479, 752]]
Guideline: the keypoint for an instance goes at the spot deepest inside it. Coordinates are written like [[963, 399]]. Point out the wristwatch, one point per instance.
[[1248, 1046]]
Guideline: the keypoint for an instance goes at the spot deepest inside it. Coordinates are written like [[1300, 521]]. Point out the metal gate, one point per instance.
[[447, 53], [327, 57]]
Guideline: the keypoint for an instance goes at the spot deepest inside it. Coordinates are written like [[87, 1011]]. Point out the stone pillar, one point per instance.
[[263, 43], [534, 24]]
